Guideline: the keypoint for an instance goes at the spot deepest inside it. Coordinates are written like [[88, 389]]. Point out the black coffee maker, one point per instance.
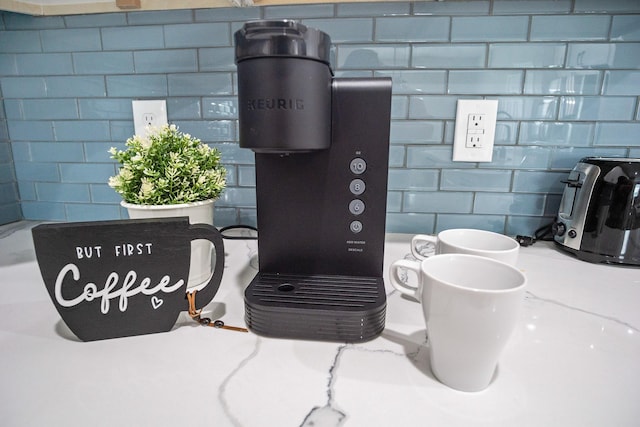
[[321, 156]]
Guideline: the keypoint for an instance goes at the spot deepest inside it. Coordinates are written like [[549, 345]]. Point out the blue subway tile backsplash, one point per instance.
[[69, 40], [603, 55], [132, 37], [566, 74], [160, 17], [475, 180], [174, 61], [62, 192], [95, 21], [556, 134], [621, 82], [412, 29], [20, 41], [597, 108], [22, 130], [616, 6], [44, 64], [43, 109], [141, 85], [481, 82], [60, 152], [625, 28], [448, 56], [85, 130], [374, 9], [509, 203], [452, 8], [509, 7], [616, 134], [370, 56], [103, 63], [203, 84], [574, 27], [75, 86], [526, 55], [17, 21], [196, 35], [216, 59], [347, 30], [299, 11], [438, 201], [489, 28], [416, 82]]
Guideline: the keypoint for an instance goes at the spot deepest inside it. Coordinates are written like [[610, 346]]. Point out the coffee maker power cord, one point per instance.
[[227, 232], [544, 233]]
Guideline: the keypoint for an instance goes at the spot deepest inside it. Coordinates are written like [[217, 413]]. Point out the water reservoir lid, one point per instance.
[[257, 39]]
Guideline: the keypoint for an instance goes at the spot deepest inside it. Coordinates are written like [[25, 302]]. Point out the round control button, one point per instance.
[[357, 187], [358, 166], [355, 226], [356, 207], [559, 229]]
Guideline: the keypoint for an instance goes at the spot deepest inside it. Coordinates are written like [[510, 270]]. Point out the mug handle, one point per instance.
[[210, 233], [404, 288], [421, 238]]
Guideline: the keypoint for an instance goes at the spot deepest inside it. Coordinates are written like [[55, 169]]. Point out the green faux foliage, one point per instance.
[[167, 167]]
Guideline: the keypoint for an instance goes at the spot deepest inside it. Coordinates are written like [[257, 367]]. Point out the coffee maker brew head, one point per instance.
[[284, 87]]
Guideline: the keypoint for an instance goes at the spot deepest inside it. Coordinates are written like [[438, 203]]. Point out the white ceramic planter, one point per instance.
[[200, 268]]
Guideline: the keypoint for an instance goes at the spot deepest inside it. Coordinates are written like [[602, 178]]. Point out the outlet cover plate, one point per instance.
[[148, 113], [466, 130]]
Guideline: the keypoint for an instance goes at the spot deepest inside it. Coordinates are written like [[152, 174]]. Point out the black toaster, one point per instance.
[[599, 215]]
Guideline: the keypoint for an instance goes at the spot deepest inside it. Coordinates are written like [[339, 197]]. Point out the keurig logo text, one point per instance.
[[275, 104]]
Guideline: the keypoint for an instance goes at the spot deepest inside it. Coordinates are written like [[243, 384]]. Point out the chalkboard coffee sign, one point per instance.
[[111, 279]]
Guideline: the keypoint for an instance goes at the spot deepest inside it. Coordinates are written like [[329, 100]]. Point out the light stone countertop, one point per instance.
[[574, 359]]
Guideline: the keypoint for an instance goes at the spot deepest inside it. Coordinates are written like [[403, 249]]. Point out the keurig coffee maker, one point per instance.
[[321, 156]]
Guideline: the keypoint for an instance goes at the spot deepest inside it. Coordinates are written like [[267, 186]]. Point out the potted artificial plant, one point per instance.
[[168, 173]]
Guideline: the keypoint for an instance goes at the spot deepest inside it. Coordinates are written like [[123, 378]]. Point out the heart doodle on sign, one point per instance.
[[156, 302]]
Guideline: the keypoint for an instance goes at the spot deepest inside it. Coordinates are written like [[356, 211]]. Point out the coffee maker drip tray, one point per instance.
[[316, 307]]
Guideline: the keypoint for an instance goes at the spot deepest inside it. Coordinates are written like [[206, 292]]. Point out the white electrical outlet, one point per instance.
[[148, 113], [475, 130]]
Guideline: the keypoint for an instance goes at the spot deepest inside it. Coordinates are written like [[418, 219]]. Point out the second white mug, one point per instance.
[[469, 241]]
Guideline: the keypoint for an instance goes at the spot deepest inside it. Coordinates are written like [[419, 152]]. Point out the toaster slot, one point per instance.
[[575, 204]]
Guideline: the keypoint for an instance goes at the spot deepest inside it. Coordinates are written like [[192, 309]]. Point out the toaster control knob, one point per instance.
[[559, 229], [572, 233]]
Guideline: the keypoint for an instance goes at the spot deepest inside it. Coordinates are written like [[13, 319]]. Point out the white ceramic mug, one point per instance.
[[469, 241], [471, 306]]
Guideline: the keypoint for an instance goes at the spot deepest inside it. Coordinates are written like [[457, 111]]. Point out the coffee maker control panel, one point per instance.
[[357, 187]]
